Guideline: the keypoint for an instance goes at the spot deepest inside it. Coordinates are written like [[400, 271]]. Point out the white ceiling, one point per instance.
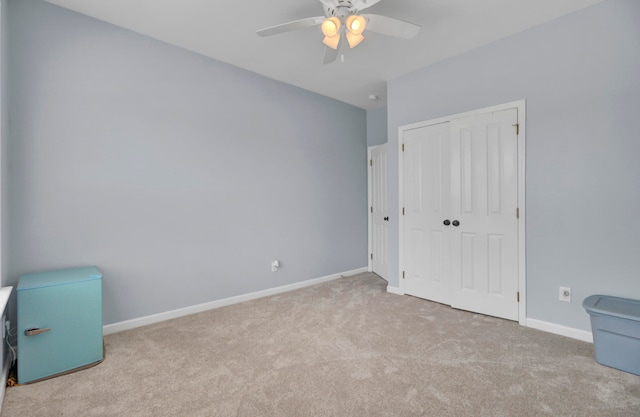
[[226, 31]]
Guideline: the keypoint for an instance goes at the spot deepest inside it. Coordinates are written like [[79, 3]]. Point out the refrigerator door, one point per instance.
[[59, 325]]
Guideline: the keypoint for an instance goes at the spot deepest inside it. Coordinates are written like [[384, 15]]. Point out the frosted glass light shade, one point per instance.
[[332, 42], [353, 39]]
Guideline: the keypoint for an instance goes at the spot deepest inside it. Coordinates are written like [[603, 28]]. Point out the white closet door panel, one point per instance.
[[483, 201], [426, 205]]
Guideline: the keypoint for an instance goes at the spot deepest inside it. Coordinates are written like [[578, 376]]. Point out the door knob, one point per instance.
[[455, 223], [446, 222]]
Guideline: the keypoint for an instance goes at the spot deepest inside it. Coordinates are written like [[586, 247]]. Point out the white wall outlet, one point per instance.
[[275, 265], [565, 294]]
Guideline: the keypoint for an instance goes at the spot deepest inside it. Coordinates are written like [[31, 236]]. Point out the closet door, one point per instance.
[[484, 197], [426, 206], [460, 230]]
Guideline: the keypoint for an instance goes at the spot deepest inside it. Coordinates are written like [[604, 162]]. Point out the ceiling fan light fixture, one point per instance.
[[331, 27], [332, 42], [342, 23], [353, 39], [356, 24]]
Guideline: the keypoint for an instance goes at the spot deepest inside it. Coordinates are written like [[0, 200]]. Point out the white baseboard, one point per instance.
[[571, 332], [168, 315], [394, 290], [558, 329]]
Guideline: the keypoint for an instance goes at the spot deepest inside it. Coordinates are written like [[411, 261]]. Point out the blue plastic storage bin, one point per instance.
[[59, 322], [615, 323]]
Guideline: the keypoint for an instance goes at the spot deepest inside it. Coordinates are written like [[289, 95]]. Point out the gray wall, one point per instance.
[[179, 176], [377, 126], [580, 76], [3, 160]]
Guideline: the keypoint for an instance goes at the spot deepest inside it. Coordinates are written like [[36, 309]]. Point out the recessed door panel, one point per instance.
[[495, 168], [416, 255], [435, 258], [496, 264], [468, 261]]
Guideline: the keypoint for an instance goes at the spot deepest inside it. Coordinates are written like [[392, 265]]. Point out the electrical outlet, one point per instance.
[[565, 294]]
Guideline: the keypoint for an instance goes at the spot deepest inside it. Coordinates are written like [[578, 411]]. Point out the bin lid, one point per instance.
[[59, 277], [613, 306]]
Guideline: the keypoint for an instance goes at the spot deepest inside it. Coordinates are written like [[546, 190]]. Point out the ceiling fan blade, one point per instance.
[[328, 5], [363, 4], [390, 26], [289, 26], [329, 56]]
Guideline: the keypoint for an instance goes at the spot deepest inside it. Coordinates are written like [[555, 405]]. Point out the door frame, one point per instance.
[[369, 204], [520, 105]]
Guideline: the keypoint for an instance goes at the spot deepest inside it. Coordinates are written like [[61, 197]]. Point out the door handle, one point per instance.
[[36, 331], [446, 222], [455, 223], [386, 219]]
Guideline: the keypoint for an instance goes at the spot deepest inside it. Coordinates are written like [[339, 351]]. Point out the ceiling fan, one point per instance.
[[342, 23]]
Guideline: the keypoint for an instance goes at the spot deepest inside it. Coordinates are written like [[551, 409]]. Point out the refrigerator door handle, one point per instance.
[[36, 330]]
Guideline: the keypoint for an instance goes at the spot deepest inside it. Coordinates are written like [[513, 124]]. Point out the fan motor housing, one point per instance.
[[343, 9]]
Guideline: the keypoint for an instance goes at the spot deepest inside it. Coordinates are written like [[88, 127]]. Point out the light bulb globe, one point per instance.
[[331, 27], [356, 24]]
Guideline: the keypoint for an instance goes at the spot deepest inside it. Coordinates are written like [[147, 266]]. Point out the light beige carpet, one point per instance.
[[343, 348]]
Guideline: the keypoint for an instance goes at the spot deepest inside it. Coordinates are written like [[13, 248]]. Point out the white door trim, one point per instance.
[[369, 203], [521, 107]]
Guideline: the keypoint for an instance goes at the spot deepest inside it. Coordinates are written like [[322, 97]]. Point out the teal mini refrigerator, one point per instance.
[[59, 322]]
